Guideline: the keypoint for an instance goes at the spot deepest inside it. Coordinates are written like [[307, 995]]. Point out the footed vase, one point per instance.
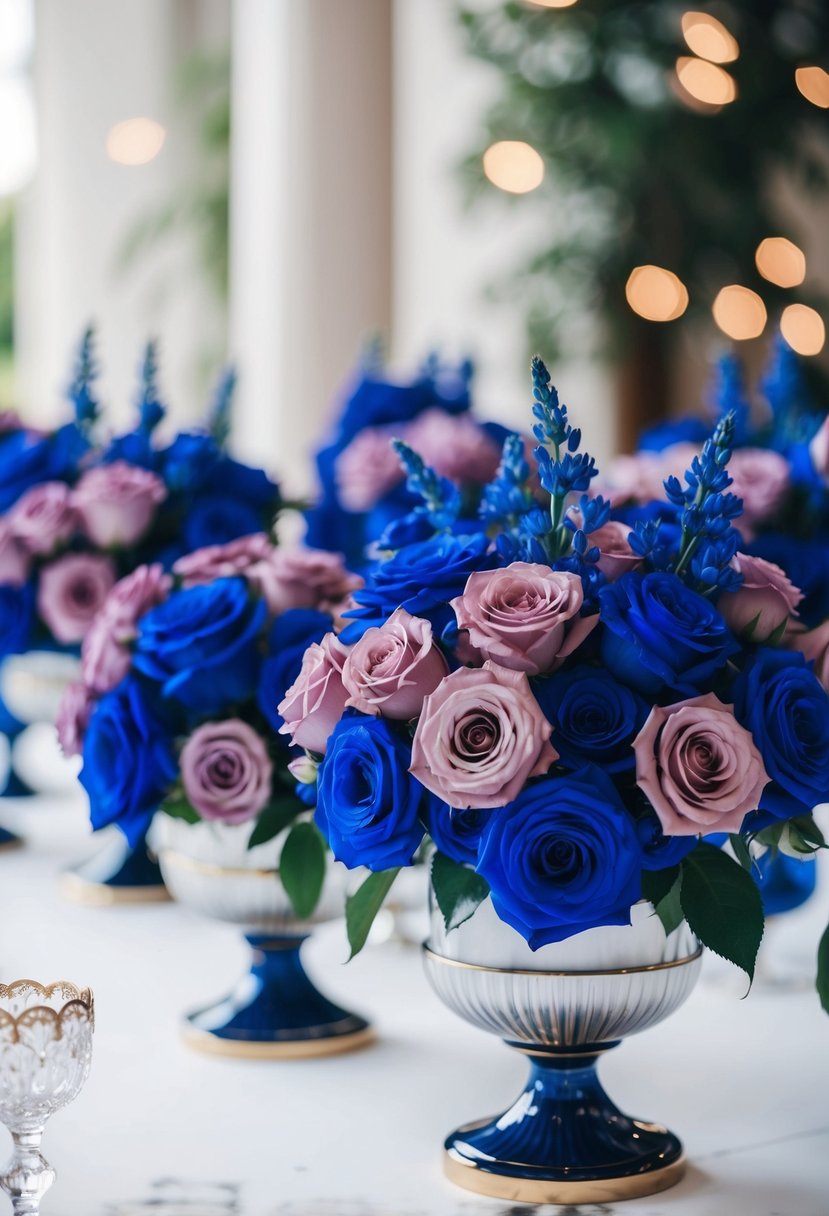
[[563, 1140]]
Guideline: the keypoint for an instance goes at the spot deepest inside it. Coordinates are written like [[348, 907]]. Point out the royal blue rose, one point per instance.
[[422, 578], [290, 636], [563, 857], [660, 634], [674, 430], [26, 459], [595, 718], [457, 832], [785, 882], [242, 481], [188, 463], [780, 700], [659, 851], [128, 761], [215, 519], [368, 804], [201, 645], [17, 617]]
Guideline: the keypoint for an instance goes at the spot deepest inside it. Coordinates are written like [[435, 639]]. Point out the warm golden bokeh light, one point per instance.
[[780, 261], [551, 3], [708, 38], [656, 294], [739, 312], [136, 141], [803, 329], [705, 81], [513, 166], [814, 85]]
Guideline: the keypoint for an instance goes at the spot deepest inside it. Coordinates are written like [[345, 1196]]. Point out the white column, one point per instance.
[[310, 213]]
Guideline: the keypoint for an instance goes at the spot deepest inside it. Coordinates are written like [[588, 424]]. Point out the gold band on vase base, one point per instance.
[[297, 1049], [538, 1190], [99, 895]]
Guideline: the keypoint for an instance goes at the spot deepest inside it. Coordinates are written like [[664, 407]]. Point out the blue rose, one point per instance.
[[243, 481], [660, 634], [290, 636], [674, 430], [201, 645], [188, 463], [780, 700], [422, 578], [659, 851], [17, 617], [785, 882], [595, 718], [563, 857], [27, 459], [215, 519], [457, 832], [368, 804], [128, 761]]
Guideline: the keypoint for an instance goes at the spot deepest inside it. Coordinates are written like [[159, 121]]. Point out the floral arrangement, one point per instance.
[[181, 675], [364, 497], [578, 714], [78, 514]]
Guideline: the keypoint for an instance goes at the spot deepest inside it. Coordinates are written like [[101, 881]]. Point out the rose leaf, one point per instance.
[[302, 867], [362, 907], [722, 904], [274, 818], [458, 890], [822, 983]]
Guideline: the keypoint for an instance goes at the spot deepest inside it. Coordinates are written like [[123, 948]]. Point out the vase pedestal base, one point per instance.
[[8, 840], [117, 874], [563, 1142], [276, 1012]]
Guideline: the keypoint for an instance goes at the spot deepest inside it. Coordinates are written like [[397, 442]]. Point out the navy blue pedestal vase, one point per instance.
[[785, 882], [275, 1011], [117, 874], [8, 840]]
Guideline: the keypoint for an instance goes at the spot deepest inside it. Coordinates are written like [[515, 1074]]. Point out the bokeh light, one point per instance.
[[514, 166], [814, 85], [708, 38], [135, 141], [803, 329], [781, 261], [551, 3], [705, 81], [739, 312], [656, 294]]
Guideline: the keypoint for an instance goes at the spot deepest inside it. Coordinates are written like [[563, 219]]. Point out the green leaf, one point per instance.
[[275, 817], [302, 867], [822, 983], [657, 884], [458, 890], [669, 908], [362, 907], [741, 850], [722, 904], [177, 807]]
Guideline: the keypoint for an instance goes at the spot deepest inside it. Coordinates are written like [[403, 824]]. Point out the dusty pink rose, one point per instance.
[[813, 644], [525, 616], [71, 591], [616, 554], [698, 767], [819, 450], [761, 479], [104, 660], [14, 557], [73, 718], [134, 595], [302, 578], [226, 771], [368, 468], [9, 421], [44, 517], [222, 561], [455, 447], [480, 737], [635, 478], [116, 502], [766, 599], [314, 703], [391, 669]]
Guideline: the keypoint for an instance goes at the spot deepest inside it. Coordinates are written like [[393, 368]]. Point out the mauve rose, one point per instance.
[[73, 718], [635, 478], [14, 557], [44, 517], [699, 768], [761, 478], [71, 591], [116, 502], [524, 616], [391, 669], [9, 421], [819, 450], [302, 578], [616, 554], [813, 644], [767, 598], [134, 595], [480, 737], [222, 561], [368, 469], [314, 703], [455, 447], [226, 771], [104, 660]]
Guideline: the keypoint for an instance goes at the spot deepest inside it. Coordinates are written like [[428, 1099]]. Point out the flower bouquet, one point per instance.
[[578, 717], [176, 712]]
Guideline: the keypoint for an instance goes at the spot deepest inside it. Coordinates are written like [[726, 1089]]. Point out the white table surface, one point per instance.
[[745, 1084]]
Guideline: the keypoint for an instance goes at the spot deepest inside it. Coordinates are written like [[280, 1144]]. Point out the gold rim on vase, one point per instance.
[[84, 891], [433, 956]]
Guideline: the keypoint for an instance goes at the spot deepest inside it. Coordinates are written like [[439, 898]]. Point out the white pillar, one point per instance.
[[310, 213]]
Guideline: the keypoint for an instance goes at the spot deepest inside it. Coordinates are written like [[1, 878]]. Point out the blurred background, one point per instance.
[[626, 187]]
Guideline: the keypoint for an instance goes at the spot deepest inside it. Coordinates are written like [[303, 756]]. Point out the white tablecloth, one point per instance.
[[745, 1084]]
